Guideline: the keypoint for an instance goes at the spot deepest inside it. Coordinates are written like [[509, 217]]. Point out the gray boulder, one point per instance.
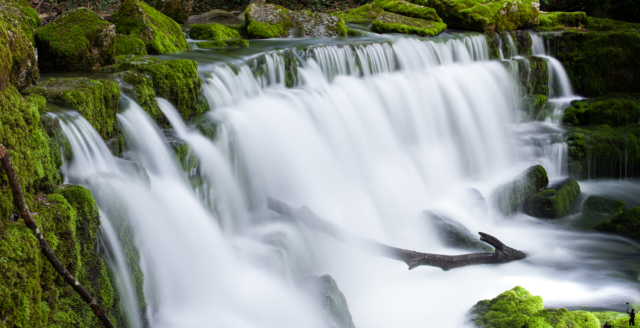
[[266, 21]]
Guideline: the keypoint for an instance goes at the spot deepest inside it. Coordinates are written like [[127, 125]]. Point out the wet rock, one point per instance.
[[76, 40], [533, 106], [512, 196], [160, 33], [555, 202], [235, 43], [271, 21], [178, 10], [328, 295], [626, 224], [129, 45], [394, 23], [454, 234], [184, 154], [212, 31], [595, 204], [134, 170]]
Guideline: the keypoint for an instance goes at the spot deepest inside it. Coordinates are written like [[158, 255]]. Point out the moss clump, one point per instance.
[[19, 13], [412, 10], [129, 62], [78, 39], [212, 31], [595, 204], [96, 100], [160, 33], [270, 21], [605, 316], [563, 318], [626, 224], [364, 13], [553, 203], [235, 43], [18, 64], [613, 112], [560, 20], [511, 196], [129, 45], [454, 234], [483, 16], [394, 23], [618, 322]]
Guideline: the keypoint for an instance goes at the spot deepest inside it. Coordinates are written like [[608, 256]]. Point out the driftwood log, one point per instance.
[[413, 259], [19, 203]]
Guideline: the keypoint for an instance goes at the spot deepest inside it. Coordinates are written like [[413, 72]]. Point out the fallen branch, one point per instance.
[[18, 201], [502, 253]]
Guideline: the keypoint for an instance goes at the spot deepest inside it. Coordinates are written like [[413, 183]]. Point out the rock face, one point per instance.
[[626, 224], [178, 10], [271, 21], [77, 40], [555, 202], [160, 33], [394, 23], [334, 305], [96, 100], [212, 31], [518, 308], [129, 45], [454, 234], [595, 204], [511, 196]]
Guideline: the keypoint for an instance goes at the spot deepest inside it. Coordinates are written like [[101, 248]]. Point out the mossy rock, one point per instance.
[[533, 105], [408, 9], [266, 21], [604, 316], [555, 202], [18, 63], [363, 14], [139, 87], [19, 14], [561, 20], [482, 16], [511, 196], [178, 10], [394, 23], [129, 45], [160, 33], [212, 31], [613, 112], [96, 100], [596, 204], [517, 308], [186, 157], [234, 43], [334, 305], [454, 234], [76, 40], [618, 322], [626, 224], [604, 24]]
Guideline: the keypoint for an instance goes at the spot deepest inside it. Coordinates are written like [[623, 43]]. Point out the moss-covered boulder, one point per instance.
[[483, 16], [454, 234], [518, 308], [76, 40], [19, 14], [613, 112], [394, 23], [364, 14], [129, 45], [160, 33], [408, 9], [626, 224], [96, 100], [270, 21], [561, 20], [178, 10], [212, 31], [595, 204], [555, 202], [334, 305], [233, 43], [604, 24], [511, 196], [18, 64]]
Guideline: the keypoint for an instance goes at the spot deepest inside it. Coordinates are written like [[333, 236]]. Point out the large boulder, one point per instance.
[[518, 308], [18, 63], [19, 14], [395, 23], [96, 100], [160, 33], [76, 40], [511, 196], [129, 45], [334, 305], [595, 204], [212, 31], [626, 224], [178, 10], [270, 21], [555, 202], [412, 10], [453, 234]]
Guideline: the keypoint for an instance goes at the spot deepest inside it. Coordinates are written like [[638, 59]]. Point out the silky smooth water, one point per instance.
[[372, 135]]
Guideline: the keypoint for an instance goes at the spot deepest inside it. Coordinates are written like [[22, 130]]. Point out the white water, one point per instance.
[[368, 150]]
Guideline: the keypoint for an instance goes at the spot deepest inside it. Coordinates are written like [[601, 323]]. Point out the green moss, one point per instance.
[[626, 224], [129, 45], [605, 316], [561, 20], [20, 14], [564, 318], [70, 42], [235, 43], [139, 87], [186, 157], [553, 203], [276, 27], [511, 196], [129, 62], [96, 100], [613, 112], [595, 204], [394, 23], [212, 31], [618, 323], [364, 13], [160, 33], [412, 10], [270, 21], [18, 64], [533, 105], [603, 24]]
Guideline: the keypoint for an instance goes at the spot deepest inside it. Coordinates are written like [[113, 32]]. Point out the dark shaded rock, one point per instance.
[[271, 21], [626, 224], [454, 234], [512, 196], [555, 202], [178, 10], [595, 204], [210, 15], [333, 303]]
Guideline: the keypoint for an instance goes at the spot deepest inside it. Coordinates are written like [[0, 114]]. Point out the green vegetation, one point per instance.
[[605, 316], [234, 43], [364, 13], [160, 33], [77, 40], [17, 58], [271, 21], [626, 224], [511, 196], [560, 20], [95, 100], [618, 323], [18, 13], [603, 24], [277, 26], [394, 23], [533, 105], [595, 204], [129, 45], [553, 203], [212, 31], [614, 112], [412, 10]]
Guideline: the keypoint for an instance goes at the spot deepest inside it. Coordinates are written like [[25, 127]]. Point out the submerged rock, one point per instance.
[[333, 303], [626, 224], [76, 40], [454, 234], [394, 23], [129, 45], [271, 21], [511, 196], [595, 204], [178, 10], [160, 33], [555, 202], [134, 170]]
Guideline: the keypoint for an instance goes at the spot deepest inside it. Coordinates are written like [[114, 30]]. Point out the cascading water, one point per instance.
[[373, 135]]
